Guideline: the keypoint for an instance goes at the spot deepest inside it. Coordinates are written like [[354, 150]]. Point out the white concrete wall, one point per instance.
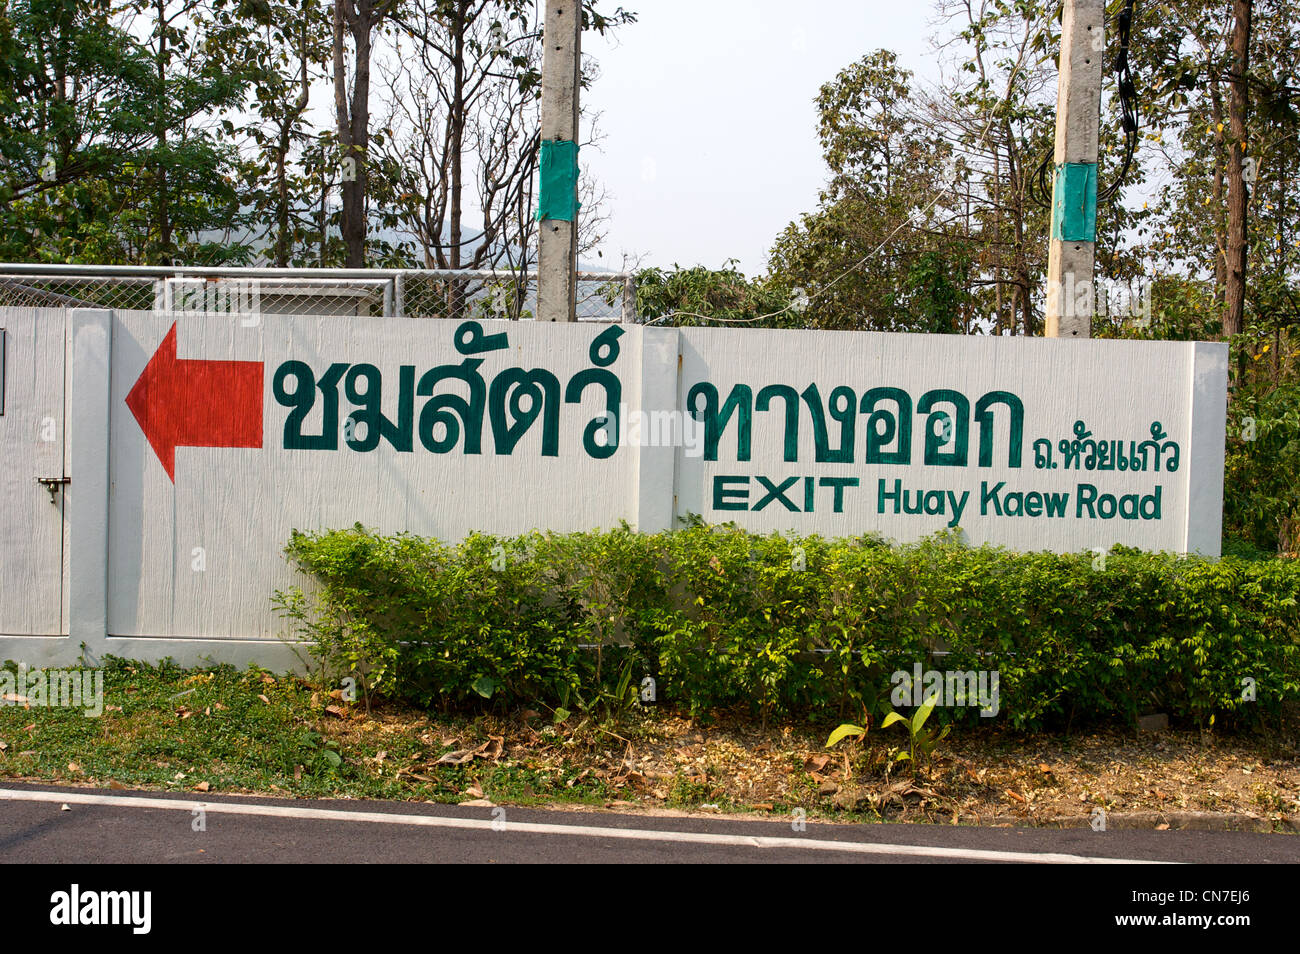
[[148, 566], [32, 439], [1117, 388]]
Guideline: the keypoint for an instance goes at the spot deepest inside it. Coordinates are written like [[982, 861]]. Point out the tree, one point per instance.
[[702, 296], [868, 250], [1238, 106], [287, 49], [110, 149], [357, 20], [465, 81], [1223, 114]]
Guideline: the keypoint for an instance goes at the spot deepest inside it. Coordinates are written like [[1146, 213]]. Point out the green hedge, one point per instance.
[[719, 617]]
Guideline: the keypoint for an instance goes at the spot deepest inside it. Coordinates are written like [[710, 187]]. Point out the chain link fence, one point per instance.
[[359, 293]]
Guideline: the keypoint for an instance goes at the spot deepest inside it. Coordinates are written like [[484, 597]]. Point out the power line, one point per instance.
[[1011, 79], [1040, 192]]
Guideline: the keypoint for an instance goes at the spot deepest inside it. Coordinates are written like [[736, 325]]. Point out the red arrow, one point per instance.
[[196, 403]]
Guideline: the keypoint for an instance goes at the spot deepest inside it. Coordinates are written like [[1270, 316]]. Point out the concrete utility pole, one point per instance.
[[1071, 299], [557, 209]]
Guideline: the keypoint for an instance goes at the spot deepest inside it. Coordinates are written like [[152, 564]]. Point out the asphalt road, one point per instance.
[[98, 826]]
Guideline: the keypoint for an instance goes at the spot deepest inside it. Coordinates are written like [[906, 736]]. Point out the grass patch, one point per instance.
[[223, 730]]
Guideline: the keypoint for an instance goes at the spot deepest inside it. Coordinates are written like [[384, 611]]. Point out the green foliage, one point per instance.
[[871, 254], [846, 731], [719, 617], [1261, 501], [921, 741], [699, 296], [108, 133]]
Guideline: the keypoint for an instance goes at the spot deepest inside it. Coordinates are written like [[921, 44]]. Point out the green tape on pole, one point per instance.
[[1074, 202], [557, 192]]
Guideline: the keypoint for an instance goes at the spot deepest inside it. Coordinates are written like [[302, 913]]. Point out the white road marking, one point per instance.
[[582, 831]]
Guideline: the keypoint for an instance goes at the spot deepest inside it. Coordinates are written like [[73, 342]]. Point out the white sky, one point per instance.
[[710, 145]]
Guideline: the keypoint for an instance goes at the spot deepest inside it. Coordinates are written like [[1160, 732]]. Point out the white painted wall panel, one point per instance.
[[1117, 388], [31, 446], [238, 505]]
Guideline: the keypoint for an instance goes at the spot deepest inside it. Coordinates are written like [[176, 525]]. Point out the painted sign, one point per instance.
[[196, 403], [217, 437], [1030, 443]]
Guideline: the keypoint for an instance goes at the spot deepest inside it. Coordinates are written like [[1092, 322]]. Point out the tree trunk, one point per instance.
[[1216, 191], [457, 123], [1238, 105], [162, 212], [352, 116]]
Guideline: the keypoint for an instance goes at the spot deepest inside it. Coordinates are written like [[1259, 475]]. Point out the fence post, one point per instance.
[[86, 508], [399, 295], [1209, 412], [629, 300], [655, 480]]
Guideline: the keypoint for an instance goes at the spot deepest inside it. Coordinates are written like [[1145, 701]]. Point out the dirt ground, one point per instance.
[[1162, 779]]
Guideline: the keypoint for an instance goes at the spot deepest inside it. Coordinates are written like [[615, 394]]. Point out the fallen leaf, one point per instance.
[[3, 746], [297, 773], [459, 757], [74, 767], [816, 763], [264, 699], [417, 777], [1162, 827], [337, 711], [474, 791], [116, 785], [268, 680], [202, 787], [1019, 798]]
